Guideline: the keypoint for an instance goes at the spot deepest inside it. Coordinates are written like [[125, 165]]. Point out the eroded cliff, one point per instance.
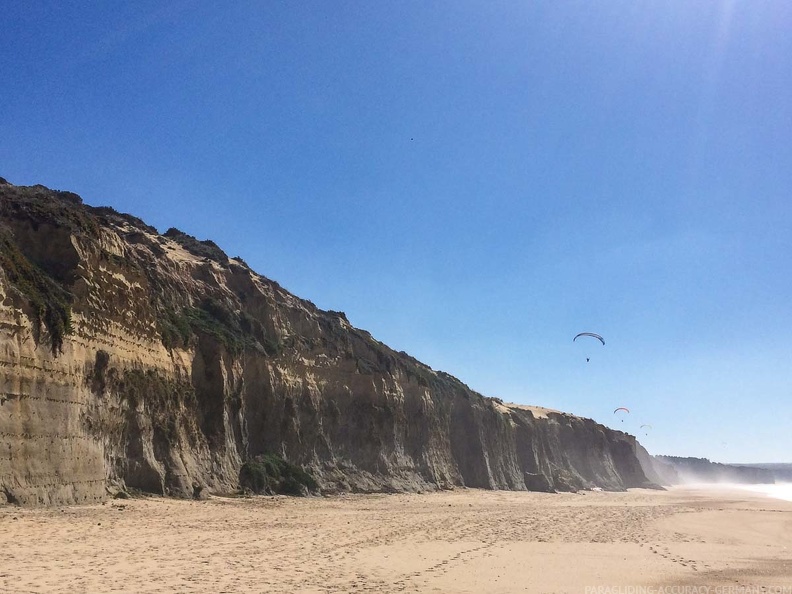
[[130, 359], [701, 470]]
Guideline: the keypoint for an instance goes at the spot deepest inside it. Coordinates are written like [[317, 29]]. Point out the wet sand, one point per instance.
[[467, 541]]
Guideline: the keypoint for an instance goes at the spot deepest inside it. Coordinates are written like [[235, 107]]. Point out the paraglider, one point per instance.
[[624, 408], [648, 427], [597, 336]]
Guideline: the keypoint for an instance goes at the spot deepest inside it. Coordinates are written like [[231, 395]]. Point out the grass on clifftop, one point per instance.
[[40, 204], [271, 474], [51, 303]]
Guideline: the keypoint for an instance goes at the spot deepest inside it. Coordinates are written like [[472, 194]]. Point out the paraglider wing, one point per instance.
[[624, 408], [597, 336], [647, 426]]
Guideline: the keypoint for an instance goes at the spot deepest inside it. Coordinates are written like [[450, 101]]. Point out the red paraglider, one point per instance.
[[624, 408]]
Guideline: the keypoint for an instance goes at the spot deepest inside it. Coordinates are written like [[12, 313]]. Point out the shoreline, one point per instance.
[[461, 541], [779, 490]]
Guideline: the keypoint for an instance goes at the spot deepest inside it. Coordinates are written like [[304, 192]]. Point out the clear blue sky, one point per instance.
[[472, 182]]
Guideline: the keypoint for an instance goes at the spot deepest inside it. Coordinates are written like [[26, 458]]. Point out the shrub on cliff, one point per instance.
[[214, 318], [271, 474], [109, 213], [175, 329], [237, 331], [39, 205], [51, 303]]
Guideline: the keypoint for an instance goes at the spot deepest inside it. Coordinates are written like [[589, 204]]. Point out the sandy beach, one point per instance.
[[464, 541]]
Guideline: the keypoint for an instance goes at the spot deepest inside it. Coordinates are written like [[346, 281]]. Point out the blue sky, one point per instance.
[[473, 182]]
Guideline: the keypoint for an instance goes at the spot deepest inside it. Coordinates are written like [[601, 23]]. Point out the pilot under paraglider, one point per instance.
[[597, 336]]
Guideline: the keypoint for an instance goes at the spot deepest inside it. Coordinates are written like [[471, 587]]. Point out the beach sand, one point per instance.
[[469, 541]]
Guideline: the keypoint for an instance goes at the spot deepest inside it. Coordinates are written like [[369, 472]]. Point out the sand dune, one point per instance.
[[460, 541]]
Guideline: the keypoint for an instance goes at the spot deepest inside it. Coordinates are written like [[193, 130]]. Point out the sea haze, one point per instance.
[[776, 491]]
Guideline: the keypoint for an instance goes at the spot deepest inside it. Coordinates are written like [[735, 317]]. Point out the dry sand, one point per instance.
[[461, 541]]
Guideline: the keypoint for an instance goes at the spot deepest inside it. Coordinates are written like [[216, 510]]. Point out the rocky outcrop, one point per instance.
[[130, 359]]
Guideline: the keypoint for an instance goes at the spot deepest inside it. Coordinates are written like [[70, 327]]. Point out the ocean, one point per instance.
[[776, 491]]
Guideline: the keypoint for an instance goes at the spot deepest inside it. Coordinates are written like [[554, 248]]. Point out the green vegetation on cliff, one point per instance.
[[42, 205], [174, 329], [51, 303], [272, 474], [236, 331]]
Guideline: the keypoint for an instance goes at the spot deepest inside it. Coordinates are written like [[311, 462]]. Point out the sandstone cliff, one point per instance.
[[131, 359], [656, 470]]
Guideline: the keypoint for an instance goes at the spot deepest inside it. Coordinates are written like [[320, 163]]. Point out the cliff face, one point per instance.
[[701, 470], [656, 470], [129, 359]]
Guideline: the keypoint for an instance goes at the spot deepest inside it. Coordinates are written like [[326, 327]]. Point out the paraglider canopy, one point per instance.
[[624, 408], [597, 336]]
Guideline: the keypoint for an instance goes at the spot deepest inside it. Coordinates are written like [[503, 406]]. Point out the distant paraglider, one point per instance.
[[648, 427]]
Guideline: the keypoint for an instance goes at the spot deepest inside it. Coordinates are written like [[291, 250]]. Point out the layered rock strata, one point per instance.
[[135, 360]]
